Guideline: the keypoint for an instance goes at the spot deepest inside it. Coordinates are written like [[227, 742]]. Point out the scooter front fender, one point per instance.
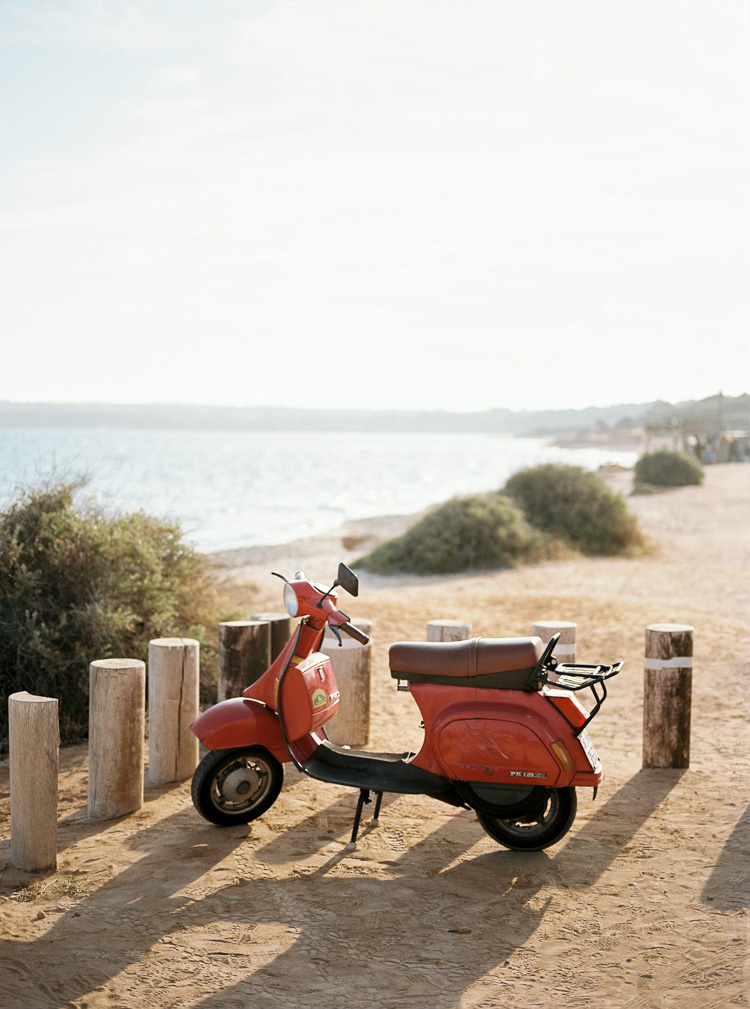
[[240, 721]]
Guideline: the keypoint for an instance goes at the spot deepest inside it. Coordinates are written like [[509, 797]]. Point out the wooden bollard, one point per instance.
[[34, 739], [117, 702], [281, 630], [565, 649], [352, 666], [667, 689], [448, 630], [244, 655], [173, 687]]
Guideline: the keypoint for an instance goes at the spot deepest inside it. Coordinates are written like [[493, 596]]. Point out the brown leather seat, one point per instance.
[[495, 662]]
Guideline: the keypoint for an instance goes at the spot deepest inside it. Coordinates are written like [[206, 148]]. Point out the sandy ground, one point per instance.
[[643, 904]]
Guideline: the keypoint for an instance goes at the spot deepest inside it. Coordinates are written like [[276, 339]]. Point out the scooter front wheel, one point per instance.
[[236, 786], [541, 829]]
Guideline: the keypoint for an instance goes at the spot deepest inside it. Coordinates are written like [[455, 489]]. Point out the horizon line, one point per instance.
[[335, 409]]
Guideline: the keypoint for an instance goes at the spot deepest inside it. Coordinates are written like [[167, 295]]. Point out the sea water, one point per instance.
[[232, 489]]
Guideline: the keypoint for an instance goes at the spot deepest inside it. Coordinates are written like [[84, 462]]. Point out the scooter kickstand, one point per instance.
[[364, 797], [375, 821]]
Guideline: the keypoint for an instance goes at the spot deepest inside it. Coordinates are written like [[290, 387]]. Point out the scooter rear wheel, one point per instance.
[[539, 830], [236, 786]]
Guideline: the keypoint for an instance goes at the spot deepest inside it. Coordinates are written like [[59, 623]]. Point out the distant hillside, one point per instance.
[[170, 416], [500, 421], [705, 416]]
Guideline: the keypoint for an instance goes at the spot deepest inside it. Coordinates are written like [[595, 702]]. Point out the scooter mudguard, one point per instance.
[[239, 721]]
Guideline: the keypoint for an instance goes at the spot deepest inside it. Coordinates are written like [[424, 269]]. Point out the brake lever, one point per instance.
[[337, 632]]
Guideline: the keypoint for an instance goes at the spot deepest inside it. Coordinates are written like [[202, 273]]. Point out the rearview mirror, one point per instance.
[[347, 580]]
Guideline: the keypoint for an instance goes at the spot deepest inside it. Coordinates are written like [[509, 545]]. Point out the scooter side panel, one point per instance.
[[495, 750], [240, 722], [534, 725]]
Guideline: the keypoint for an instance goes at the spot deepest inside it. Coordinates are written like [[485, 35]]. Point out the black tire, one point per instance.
[[539, 830], [516, 801], [236, 786]]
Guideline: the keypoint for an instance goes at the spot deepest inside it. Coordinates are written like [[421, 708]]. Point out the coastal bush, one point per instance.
[[472, 533], [577, 506], [77, 584], [668, 469]]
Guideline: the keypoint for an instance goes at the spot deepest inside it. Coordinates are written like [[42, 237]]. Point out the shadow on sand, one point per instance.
[[728, 887], [490, 905]]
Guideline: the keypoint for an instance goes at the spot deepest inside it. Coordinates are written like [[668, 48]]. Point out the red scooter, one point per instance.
[[504, 730]]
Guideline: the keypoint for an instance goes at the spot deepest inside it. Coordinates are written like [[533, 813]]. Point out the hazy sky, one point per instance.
[[391, 203]]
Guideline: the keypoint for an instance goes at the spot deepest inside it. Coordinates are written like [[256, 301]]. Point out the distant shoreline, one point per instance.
[[539, 423], [351, 540], [622, 424], [240, 489]]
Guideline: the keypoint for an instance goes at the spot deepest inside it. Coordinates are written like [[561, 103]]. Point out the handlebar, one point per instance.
[[355, 632]]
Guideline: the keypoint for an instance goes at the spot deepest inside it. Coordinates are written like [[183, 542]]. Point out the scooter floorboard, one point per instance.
[[380, 772]]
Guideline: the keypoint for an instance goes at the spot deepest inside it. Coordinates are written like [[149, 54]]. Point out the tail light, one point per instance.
[[569, 707]]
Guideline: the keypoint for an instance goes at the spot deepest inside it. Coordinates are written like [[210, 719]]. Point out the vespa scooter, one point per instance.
[[505, 733]]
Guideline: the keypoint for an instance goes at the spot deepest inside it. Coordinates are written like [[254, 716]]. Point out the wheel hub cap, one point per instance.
[[239, 784]]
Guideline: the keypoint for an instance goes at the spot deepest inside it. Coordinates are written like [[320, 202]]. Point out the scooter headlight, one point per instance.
[[291, 602]]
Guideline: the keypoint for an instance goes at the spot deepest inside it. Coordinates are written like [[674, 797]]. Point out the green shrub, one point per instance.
[[576, 506], [78, 585], [473, 533], [668, 469]]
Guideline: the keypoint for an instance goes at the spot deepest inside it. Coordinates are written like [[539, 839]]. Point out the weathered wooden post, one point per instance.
[[448, 630], [34, 739], [667, 689], [565, 649], [281, 630], [352, 666], [244, 655], [173, 688], [117, 702]]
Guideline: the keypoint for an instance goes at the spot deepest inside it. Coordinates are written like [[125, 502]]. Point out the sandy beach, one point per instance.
[[643, 904]]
